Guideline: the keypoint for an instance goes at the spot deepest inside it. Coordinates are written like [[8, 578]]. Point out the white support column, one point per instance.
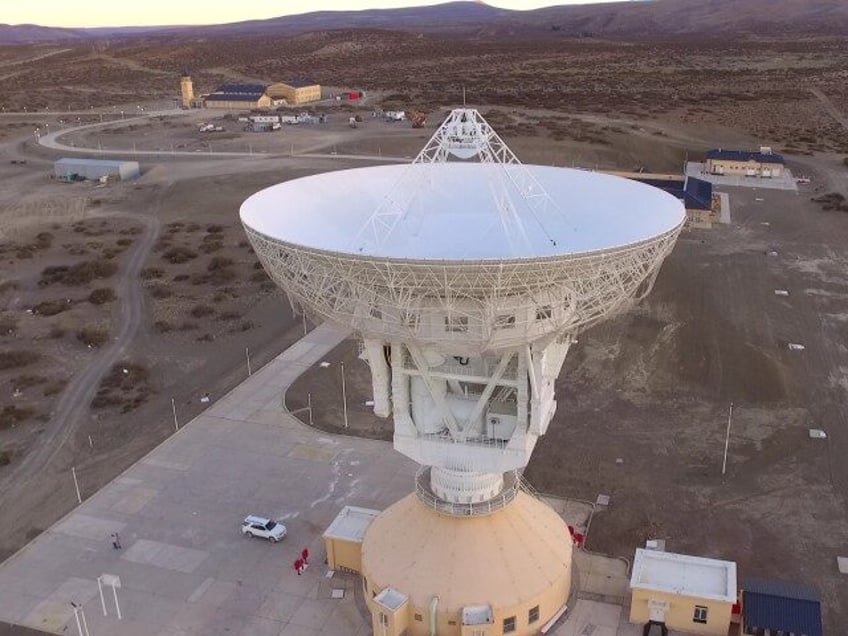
[[380, 376]]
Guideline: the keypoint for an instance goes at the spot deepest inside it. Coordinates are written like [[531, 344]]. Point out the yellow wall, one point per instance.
[[450, 623], [681, 610], [343, 554], [740, 168], [294, 95], [262, 102], [186, 91]]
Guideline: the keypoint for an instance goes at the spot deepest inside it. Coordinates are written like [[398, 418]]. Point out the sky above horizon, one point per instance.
[[94, 13]]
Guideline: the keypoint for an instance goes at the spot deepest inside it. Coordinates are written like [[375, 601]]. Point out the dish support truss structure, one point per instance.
[[464, 354], [465, 134]]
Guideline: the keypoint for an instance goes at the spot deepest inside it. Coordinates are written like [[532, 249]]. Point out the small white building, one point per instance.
[[343, 538], [687, 593]]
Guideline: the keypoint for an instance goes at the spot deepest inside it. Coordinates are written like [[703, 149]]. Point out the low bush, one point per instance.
[[79, 274], [51, 307], [54, 388], [199, 311], [179, 255], [219, 262], [160, 291], [11, 415], [17, 358], [151, 272], [26, 381], [101, 296], [5, 457], [93, 337], [163, 326]]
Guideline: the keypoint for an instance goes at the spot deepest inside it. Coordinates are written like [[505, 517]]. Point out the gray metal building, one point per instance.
[[96, 168]]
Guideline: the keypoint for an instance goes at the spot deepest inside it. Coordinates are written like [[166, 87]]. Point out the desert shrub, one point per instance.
[[101, 296], [187, 326], [17, 358], [207, 337], [199, 311], [258, 277], [51, 307], [92, 337], [160, 291], [54, 388], [57, 332], [25, 381], [151, 272], [163, 326], [126, 385], [199, 279], [124, 242], [219, 262], [245, 326], [214, 229], [257, 265], [229, 315], [244, 243], [181, 277], [179, 255], [8, 324], [11, 415], [5, 457], [209, 247], [845, 161], [43, 240], [79, 274], [221, 276], [23, 253], [9, 285], [192, 227]]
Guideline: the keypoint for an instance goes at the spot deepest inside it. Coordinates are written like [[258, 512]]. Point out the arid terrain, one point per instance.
[[151, 289]]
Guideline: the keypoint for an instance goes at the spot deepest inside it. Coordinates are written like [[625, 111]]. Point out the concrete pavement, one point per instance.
[[185, 568]]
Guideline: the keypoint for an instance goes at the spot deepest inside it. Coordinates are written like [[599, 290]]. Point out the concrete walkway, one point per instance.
[[185, 568]]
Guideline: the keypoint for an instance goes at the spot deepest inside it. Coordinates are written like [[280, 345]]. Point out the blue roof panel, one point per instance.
[[779, 605], [744, 155], [241, 88]]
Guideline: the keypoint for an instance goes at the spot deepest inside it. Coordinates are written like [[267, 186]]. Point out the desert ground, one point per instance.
[[115, 300]]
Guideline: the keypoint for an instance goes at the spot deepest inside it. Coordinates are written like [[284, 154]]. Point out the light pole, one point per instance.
[[344, 396]]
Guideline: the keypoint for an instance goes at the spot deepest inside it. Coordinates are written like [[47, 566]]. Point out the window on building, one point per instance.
[[384, 620], [509, 625], [456, 324], [478, 632], [533, 615], [505, 321], [418, 617], [544, 312], [700, 614]]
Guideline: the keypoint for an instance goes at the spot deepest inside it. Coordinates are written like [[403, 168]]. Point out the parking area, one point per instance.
[[184, 565]]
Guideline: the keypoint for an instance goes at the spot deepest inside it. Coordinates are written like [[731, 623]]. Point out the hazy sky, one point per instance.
[[154, 12]]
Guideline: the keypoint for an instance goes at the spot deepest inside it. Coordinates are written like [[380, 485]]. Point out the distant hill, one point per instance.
[[621, 19]]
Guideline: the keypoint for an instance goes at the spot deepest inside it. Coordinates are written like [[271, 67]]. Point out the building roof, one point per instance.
[[242, 88], [684, 575], [745, 155], [448, 203], [780, 605], [351, 523], [300, 83], [515, 554], [234, 97], [696, 194], [108, 163], [391, 598]]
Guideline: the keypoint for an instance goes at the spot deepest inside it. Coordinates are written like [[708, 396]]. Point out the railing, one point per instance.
[[476, 509]]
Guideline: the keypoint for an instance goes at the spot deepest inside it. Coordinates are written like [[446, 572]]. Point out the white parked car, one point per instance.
[[254, 526]]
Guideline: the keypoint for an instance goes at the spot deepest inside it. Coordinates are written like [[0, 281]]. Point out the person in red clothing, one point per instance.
[[305, 556], [298, 567]]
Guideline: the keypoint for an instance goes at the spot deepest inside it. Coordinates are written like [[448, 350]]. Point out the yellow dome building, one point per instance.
[[426, 572]]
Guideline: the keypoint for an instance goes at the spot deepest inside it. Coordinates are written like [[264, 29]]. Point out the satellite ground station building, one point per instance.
[[468, 276]]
